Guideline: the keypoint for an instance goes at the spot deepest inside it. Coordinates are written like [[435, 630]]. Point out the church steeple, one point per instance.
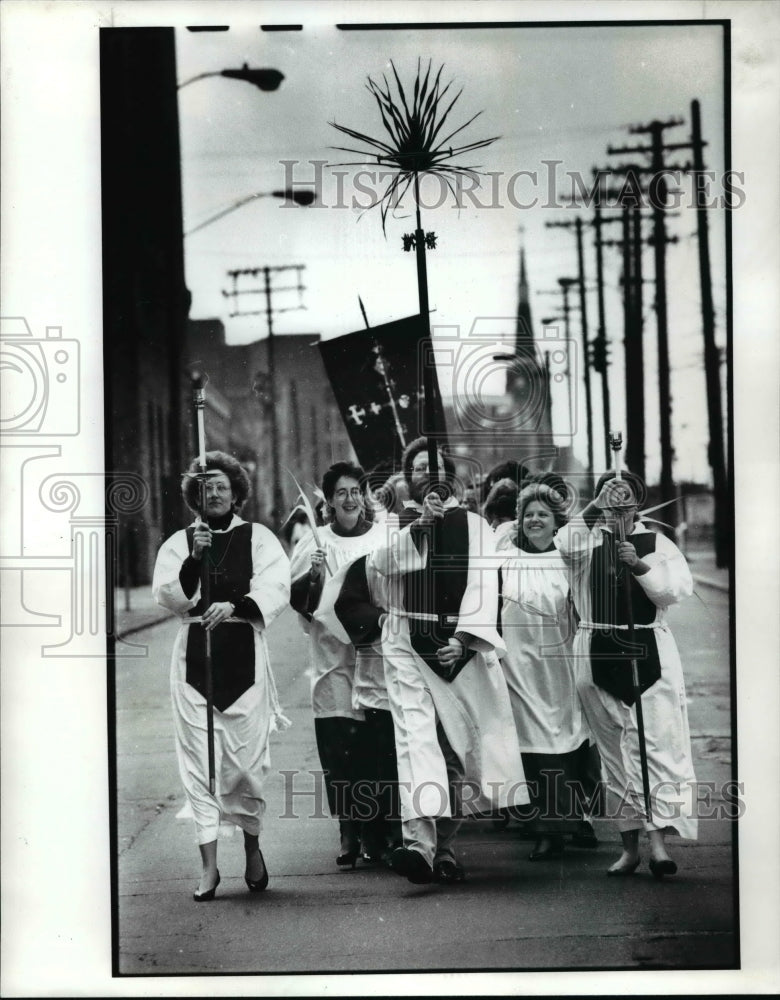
[[524, 332]]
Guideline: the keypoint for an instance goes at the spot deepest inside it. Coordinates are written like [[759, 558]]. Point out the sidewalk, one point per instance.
[[704, 570], [136, 609]]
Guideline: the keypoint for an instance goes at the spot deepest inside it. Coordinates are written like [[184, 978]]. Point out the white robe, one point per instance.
[[538, 631], [332, 662], [473, 709], [612, 722], [368, 688], [241, 732]]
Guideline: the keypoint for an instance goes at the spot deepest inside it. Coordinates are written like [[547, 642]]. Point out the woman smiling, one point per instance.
[[338, 723], [537, 628]]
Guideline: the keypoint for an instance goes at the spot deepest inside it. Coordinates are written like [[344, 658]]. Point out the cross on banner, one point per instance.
[[376, 378]]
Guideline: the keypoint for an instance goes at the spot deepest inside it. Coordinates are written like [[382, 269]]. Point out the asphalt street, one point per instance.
[[509, 915]]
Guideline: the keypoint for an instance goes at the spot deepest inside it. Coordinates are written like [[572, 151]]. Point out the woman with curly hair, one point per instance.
[[339, 715], [249, 586], [538, 629]]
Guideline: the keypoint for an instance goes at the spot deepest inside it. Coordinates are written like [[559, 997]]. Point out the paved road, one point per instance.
[[314, 918]]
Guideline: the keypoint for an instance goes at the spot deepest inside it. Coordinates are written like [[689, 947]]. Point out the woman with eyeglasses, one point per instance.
[[339, 716], [249, 585]]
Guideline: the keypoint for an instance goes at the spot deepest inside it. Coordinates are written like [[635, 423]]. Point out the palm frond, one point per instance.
[[413, 119]]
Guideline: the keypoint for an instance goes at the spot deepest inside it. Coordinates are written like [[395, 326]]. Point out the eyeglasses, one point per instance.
[[219, 488], [354, 494]]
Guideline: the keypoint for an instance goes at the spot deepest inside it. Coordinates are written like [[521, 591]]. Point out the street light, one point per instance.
[[303, 198], [264, 79], [548, 321]]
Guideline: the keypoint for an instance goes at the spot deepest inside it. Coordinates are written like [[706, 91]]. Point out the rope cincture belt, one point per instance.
[[422, 616], [198, 620], [601, 626]]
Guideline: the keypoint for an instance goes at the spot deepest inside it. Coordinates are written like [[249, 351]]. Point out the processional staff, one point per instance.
[[199, 379], [616, 443]]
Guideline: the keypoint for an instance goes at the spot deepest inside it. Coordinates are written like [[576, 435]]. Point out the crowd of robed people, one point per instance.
[[469, 656]]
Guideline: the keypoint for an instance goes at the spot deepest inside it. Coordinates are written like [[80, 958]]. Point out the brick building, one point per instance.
[[311, 434], [145, 300]]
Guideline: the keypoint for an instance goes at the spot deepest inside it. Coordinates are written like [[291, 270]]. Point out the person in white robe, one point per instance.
[[538, 629], [339, 723], [249, 586], [455, 738], [500, 510], [659, 577]]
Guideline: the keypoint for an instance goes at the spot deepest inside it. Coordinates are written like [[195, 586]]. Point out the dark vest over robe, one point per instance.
[[438, 588], [610, 651], [232, 645]]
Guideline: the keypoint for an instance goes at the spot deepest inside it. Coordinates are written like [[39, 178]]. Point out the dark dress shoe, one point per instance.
[[262, 882], [585, 837], [663, 867], [547, 852], [372, 851], [208, 895], [448, 871], [412, 865]]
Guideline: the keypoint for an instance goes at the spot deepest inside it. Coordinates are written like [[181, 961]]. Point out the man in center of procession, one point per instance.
[[451, 710]]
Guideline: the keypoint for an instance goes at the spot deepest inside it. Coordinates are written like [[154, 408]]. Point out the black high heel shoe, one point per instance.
[[349, 858], [662, 867], [349, 832], [262, 882], [208, 895]]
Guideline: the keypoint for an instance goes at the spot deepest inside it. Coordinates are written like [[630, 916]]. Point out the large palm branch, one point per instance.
[[415, 142]]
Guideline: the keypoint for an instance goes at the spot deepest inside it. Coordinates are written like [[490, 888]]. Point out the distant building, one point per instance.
[[311, 433], [516, 424]]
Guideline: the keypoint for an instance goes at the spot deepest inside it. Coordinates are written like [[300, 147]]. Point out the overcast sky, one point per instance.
[[551, 94]]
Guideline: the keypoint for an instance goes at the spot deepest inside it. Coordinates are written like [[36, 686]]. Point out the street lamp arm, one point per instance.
[[200, 76], [302, 197], [231, 208]]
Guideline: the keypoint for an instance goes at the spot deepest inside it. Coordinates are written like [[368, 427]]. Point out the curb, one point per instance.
[[708, 581], [140, 626]]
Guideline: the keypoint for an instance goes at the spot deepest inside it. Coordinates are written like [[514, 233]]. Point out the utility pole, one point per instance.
[[711, 356], [577, 225], [627, 199], [266, 290], [600, 348], [658, 191], [564, 285], [635, 358]]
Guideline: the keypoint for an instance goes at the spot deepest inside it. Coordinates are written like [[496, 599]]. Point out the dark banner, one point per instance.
[[376, 376]]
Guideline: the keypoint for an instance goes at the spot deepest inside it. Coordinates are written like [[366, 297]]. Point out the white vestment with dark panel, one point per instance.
[[473, 709], [612, 722], [242, 728]]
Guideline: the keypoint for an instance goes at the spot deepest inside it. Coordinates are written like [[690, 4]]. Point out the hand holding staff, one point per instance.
[[306, 507], [201, 540], [203, 533], [616, 443]]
